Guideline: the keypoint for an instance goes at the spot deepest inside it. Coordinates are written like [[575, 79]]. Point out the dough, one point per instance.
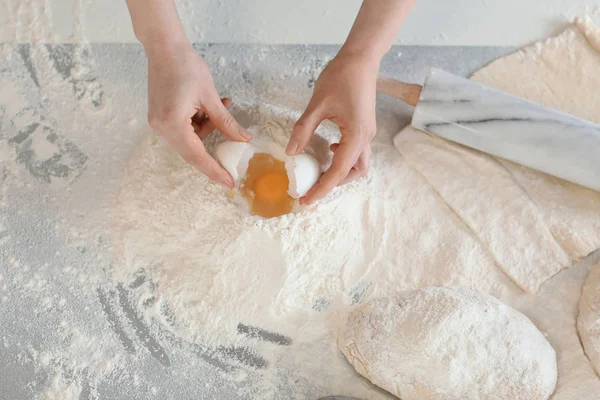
[[561, 73], [588, 323], [449, 343], [533, 225], [485, 197]]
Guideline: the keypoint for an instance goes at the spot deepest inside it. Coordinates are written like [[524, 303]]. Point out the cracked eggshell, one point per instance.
[[234, 157], [303, 172]]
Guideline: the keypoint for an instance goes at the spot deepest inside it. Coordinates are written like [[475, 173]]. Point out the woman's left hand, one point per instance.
[[344, 94]]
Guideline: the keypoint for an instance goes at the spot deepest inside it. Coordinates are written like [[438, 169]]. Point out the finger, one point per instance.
[[303, 130], [353, 175], [345, 157], [362, 164], [333, 147], [200, 116], [360, 169], [225, 123], [203, 126], [194, 153], [227, 102]]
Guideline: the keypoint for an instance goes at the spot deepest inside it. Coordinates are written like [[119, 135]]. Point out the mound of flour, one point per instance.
[[213, 263], [447, 343], [210, 268]]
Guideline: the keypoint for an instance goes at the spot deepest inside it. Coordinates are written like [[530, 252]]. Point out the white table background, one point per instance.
[[432, 22]]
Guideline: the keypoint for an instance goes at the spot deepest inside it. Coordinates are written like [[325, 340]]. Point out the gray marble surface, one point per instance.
[[75, 180]]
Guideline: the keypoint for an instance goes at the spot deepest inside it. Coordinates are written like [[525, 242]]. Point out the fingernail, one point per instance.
[[246, 134], [291, 148], [228, 182]]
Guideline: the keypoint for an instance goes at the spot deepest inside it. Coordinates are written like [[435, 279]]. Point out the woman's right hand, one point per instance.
[[184, 106]]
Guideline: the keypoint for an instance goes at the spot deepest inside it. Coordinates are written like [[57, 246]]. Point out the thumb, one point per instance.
[[219, 115], [303, 130]]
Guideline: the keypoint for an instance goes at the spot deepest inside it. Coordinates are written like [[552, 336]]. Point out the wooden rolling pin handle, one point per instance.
[[407, 92]]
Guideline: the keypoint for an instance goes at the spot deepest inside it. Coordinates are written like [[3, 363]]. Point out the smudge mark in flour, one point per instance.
[[141, 329], [46, 154], [202, 352], [243, 355], [168, 314], [267, 336], [138, 281], [24, 133], [113, 320], [86, 389], [320, 305], [62, 58], [74, 63], [24, 52], [149, 302], [246, 77], [357, 294]]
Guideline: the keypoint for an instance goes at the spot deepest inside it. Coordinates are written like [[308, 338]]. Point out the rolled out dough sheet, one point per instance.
[[532, 224]]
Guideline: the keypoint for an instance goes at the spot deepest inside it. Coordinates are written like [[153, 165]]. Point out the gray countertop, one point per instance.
[[51, 278]]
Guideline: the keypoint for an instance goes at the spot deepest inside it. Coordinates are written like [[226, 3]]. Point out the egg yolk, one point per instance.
[[265, 187], [271, 187]]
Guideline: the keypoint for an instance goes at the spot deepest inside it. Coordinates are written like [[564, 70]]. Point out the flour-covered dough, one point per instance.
[[449, 344], [533, 224], [562, 73], [588, 323]]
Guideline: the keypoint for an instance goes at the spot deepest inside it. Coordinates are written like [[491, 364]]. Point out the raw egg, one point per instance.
[[267, 179]]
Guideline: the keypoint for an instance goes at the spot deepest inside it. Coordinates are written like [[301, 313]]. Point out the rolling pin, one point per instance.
[[502, 125]]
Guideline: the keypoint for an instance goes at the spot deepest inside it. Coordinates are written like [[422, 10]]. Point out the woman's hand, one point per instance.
[[344, 94], [184, 106]]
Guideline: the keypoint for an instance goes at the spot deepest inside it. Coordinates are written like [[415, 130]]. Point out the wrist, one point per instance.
[[364, 56], [156, 23], [369, 54], [162, 47]]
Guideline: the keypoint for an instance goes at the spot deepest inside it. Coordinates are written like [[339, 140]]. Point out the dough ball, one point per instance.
[[588, 323], [449, 343]]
